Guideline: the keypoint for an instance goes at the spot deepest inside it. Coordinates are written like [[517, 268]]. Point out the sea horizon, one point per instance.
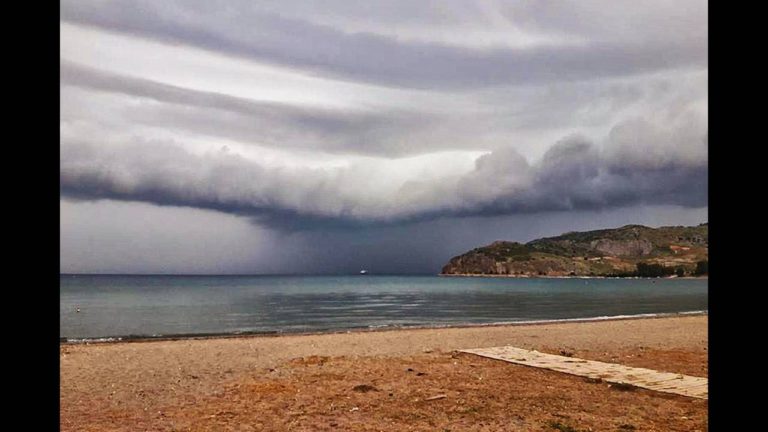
[[150, 306]]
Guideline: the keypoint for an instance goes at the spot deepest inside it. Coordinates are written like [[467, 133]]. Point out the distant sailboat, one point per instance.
[[362, 272]]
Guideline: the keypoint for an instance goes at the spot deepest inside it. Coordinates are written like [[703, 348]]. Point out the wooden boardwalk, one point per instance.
[[615, 373]]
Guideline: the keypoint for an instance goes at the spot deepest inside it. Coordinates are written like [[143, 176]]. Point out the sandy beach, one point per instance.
[[370, 381]]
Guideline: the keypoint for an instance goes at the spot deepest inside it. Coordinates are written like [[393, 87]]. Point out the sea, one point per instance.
[[122, 307]]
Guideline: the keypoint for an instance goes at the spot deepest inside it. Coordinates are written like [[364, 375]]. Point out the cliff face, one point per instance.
[[593, 253], [622, 247]]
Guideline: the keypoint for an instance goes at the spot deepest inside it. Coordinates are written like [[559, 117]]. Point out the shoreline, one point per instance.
[[513, 276], [64, 341], [384, 380]]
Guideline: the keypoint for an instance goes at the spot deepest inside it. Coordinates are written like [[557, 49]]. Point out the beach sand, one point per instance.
[[371, 381]]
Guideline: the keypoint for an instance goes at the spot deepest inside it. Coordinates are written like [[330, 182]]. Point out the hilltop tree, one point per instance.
[[653, 270], [702, 268]]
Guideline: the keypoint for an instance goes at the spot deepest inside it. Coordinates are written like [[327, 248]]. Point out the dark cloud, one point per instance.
[[125, 237], [328, 135], [270, 37], [573, 174]]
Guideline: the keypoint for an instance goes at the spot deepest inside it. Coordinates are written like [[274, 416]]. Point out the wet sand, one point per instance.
[[382, 380]]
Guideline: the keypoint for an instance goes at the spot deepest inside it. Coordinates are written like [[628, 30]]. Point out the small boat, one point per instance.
[[362, 272]]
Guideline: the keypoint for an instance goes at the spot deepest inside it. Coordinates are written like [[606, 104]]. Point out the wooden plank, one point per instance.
[[667, 382]]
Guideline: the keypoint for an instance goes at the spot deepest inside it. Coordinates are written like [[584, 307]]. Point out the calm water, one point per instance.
[[166, 305]]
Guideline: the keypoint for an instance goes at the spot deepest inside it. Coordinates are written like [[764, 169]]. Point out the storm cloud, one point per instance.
[[345, 123], [573, 174]]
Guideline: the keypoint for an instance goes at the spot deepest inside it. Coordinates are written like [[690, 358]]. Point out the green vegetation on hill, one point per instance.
[[632, 250]]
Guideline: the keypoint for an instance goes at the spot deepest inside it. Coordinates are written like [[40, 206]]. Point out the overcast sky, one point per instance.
[[329, 136]]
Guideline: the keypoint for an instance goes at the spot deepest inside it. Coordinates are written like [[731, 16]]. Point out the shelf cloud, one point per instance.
[[574, 173], [344, 117]]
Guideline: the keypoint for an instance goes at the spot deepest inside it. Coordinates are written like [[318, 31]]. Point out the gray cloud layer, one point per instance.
[[573, 174], [245, 120], [242, 29], [388, 132], [362, 134]]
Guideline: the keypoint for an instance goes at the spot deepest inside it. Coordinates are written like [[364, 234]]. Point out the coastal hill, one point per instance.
[[632, 250]]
